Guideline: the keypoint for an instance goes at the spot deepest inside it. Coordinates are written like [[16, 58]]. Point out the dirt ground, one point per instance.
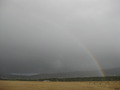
[[38, 85]]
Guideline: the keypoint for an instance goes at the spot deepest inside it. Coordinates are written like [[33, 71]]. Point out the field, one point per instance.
[[39, 85]]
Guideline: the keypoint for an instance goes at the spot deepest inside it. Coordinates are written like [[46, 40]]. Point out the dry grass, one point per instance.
[[36, 85]]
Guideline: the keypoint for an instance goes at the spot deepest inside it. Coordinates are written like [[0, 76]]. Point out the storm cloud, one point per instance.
[[58, 35]]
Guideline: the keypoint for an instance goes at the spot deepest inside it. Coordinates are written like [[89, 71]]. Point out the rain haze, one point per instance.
[[42, 36]]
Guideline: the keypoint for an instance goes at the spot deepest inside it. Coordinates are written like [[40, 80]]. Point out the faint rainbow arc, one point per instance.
[[88, 52], [102, 73], [95, 61]]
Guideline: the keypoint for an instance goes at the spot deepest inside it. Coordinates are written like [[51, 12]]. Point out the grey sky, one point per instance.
[[56, 35]]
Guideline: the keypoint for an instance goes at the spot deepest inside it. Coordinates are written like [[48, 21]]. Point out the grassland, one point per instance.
[[38, 85]]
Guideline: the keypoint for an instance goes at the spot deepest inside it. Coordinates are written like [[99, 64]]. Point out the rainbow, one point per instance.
[[90, 54], [86, 49], [101, 71]]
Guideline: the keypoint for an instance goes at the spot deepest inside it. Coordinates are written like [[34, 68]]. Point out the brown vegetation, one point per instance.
[[36, 85]]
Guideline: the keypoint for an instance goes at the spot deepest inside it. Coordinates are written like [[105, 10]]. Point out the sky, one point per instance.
[[42, 36]]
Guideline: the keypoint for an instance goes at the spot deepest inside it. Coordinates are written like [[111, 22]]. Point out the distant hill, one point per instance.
[[108, 72]]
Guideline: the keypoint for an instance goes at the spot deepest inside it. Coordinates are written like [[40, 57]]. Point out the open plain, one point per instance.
[[48, 85]]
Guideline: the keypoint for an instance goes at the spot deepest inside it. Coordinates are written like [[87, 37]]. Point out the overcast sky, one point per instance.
[[59, 35]]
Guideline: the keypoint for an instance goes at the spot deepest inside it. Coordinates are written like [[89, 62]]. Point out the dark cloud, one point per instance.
[[58, 35]]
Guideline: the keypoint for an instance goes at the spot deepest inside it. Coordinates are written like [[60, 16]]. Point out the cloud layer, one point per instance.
[[56, 35]]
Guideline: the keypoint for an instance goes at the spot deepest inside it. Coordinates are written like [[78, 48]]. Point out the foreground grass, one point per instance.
[[36, 85]]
